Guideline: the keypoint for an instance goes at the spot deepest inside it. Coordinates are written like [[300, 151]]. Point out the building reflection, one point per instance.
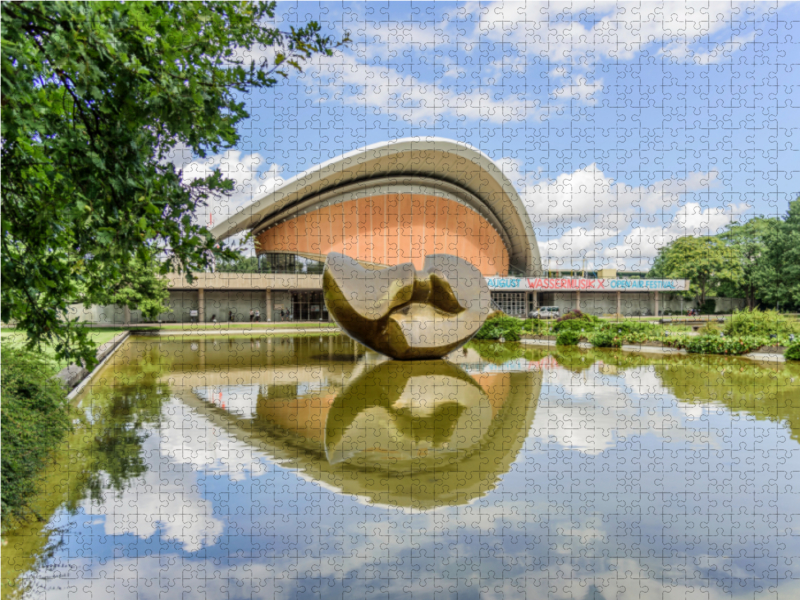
[[415, 435], [424, 434]]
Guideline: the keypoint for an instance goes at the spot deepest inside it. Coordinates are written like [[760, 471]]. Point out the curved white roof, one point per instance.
[[455, 164]]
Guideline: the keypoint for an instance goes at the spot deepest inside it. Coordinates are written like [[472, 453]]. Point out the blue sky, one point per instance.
[[622, 125]]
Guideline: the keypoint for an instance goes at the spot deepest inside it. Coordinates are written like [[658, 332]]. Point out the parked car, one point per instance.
[[547, 312]]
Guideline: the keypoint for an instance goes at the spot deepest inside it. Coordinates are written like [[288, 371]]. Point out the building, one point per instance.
[[387, 204]]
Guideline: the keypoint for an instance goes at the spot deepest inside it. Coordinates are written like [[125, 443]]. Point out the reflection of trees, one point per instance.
[[574, 359], [117, 432], [114, 426], [104, 451], [764, 391], [500, 353]]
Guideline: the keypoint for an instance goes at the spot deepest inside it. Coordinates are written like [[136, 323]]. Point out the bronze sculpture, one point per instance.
[[403, 313]]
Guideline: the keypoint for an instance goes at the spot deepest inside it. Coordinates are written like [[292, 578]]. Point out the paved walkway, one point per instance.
[[231, 331], [225, 325]]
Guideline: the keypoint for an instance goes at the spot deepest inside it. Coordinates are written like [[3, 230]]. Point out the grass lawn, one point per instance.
[[100, 335]]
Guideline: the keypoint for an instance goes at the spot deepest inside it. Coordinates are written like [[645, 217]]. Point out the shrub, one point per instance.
[[630, 328], [576, 314], [760, 322], [578, 325], [793, 352], [606, 339], [35, 418], [709, 329], [706, 344], [500, 326], [576, 321], [535, 326], [568, 338]]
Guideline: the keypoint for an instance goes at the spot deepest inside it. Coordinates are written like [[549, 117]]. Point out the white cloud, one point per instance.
[[590, 196], [578, 88], [643, 243], [385, 90], [587, 214], [604, 30], [250, 181], [186, 445]]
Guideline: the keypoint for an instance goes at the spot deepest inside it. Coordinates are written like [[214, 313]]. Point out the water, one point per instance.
[[307, 468]]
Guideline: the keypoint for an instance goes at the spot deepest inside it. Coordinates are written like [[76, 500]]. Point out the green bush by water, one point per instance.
[[568, 337], [606, 339], [536, 326], [714, 344], [761, 322], [500, 326], [709, 328], [632, 332], [793, 352], [35, 418], [576, 321]]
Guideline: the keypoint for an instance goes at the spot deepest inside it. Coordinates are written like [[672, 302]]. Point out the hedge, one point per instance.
[[35, 418]]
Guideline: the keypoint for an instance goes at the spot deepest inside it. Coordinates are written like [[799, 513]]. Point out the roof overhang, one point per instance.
[[455, 164]]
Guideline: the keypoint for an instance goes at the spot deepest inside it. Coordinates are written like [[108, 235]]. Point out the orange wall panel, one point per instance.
[[391, 229]]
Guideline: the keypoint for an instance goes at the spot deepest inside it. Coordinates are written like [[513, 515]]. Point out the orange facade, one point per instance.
[[390, 229]]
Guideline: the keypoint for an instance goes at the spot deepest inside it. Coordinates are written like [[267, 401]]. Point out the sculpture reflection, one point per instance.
[[402, 416], [408, 434]]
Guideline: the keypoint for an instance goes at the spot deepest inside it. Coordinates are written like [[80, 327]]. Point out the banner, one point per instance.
[[566, 284]]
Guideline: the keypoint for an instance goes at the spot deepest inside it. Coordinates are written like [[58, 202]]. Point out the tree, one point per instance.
[[780, 283], [704, 261], [749, 243], [241, 264], [139, 287], [95, 98]]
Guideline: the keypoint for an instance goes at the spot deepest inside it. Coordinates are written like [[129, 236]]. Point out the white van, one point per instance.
[[547, 312]]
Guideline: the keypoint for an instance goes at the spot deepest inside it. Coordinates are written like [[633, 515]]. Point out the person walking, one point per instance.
[[258, 316], [251, 315], [281, 314], [230, 316]]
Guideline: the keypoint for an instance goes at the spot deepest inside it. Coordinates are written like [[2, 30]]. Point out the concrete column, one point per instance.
[[269, 306], [656, 303], [201, 306], [619, 304], [535, 300], [126, 315], [578, 300]]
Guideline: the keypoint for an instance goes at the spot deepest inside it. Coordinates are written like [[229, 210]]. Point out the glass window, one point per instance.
[[511, 303], [282, 262], [308, 306]]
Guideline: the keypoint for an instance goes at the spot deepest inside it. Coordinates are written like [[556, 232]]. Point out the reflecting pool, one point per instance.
[[308, 467]]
